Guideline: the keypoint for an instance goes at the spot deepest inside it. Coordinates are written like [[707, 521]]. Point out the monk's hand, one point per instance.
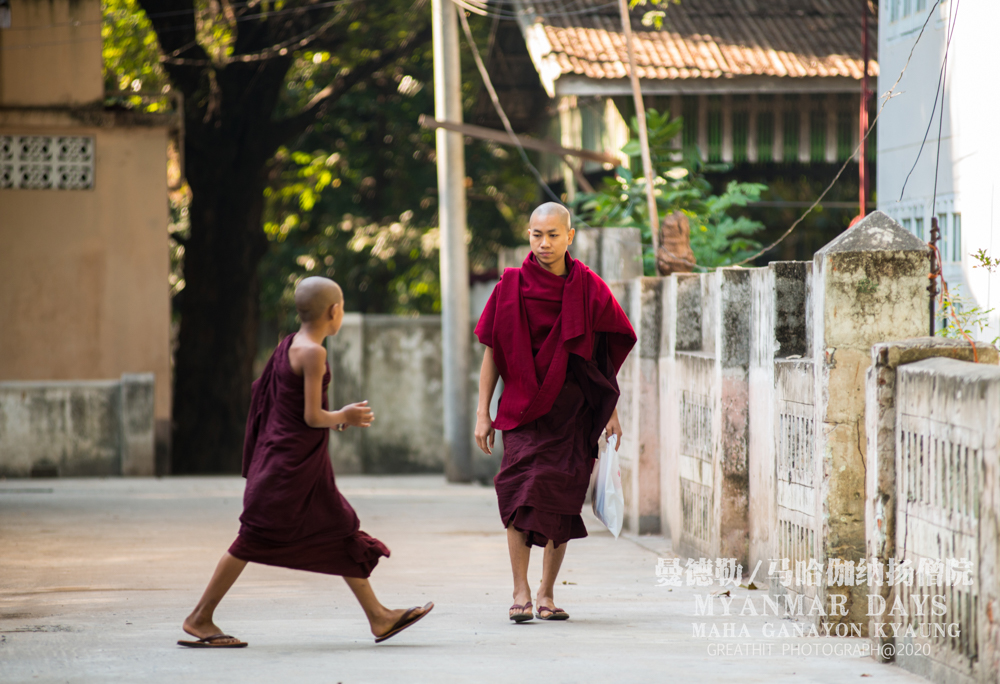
[[485, 434], [358, 415], [614, 428]]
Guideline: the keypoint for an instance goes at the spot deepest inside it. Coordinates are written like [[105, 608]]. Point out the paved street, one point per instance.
[[96, 576]]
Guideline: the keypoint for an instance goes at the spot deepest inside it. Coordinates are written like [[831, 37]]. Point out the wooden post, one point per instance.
[[640, 115]]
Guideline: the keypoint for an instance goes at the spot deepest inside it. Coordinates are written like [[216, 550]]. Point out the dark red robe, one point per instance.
[[558, 343], [293, 514]]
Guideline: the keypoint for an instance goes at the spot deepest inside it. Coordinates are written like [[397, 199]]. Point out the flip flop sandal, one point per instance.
[[209, 642], [521, 616], [554, 614], [405, 621]]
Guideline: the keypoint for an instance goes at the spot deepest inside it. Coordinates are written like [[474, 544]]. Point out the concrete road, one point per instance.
[[96, 576]]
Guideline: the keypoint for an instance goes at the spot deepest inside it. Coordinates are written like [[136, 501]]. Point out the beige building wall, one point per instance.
[[85, 292], [51, 54]]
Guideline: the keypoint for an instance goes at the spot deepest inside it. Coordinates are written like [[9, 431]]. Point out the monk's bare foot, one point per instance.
[[201, 629], [388, 619]]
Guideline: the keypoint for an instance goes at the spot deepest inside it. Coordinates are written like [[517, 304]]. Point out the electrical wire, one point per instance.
[[871, 127], [503, 115], [467, 4], [938, 92]]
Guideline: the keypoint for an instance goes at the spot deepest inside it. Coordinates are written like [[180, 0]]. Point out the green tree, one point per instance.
[[303, 156], [247, 90], [357, 200], [718, 238]]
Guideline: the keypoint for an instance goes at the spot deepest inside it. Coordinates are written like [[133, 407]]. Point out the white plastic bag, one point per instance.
[[608, 498]]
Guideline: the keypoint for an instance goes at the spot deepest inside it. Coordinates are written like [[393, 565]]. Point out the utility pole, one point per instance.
[[863, 116], [640, 115], [455, 329]]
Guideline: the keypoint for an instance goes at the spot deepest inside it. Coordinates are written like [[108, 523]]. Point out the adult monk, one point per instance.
[[555, 334]]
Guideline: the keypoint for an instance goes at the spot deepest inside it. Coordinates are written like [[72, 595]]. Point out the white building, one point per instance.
[[968, 181]]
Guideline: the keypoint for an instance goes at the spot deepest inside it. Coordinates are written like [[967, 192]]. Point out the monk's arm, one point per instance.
[[313, 369], [488, 377]]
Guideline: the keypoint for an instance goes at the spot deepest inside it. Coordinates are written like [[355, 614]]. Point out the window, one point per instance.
[[894, 10], [690, 134], [845, 133], [956, 237], [921, 5], [715, 128], [908, 225], [944, 241], [817, 135], [765, 136], [741, 129], [790, 135], [40, 162], [918, 228], [907, 7]]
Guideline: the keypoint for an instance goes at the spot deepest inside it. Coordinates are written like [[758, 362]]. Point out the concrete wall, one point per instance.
[[881, 419], [947, 506], [51, 54], [86, 270], [394, 362], [612, 253], [75, 429]]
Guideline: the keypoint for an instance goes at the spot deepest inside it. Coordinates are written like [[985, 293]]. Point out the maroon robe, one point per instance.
[[558, 343], [293, 514]]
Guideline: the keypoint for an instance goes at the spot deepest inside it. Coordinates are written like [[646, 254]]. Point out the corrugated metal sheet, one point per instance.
[[709, 39]]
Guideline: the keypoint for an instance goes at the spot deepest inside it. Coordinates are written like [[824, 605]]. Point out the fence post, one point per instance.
[[870, 285], [732, 359]]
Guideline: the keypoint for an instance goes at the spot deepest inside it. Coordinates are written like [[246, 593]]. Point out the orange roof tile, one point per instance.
[[706, 39]]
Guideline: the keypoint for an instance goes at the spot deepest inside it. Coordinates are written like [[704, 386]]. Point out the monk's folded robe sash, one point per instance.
[[293, 514], [534, 320]]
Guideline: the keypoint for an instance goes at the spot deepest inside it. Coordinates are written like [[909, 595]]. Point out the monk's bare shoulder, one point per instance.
[[306, 357]]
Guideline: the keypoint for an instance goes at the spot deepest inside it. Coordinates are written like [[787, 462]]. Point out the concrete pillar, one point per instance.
[[869, 286], [586, 247], [732, 500], [629, 405], [782, 487], [621, 254], [761, 453], [138, 433], [681, 332], [880, 426], [646, 488]]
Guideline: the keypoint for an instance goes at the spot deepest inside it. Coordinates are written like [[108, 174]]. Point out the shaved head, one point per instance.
[[314, 295], [551, 211]]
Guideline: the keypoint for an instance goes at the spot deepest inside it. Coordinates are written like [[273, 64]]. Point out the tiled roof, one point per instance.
[[701, 39]]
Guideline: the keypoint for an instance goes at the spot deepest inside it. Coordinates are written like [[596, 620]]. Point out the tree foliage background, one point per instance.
[[301, 155]]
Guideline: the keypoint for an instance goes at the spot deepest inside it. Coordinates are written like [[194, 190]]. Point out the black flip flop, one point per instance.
[[556, 613], [405, 622], [520, 616], [207, 642]]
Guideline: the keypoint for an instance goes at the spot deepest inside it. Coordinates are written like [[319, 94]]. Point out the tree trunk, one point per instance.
[[226, 159]]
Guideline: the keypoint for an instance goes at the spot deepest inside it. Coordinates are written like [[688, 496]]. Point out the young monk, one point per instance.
[[555, 334], [293, 514]]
